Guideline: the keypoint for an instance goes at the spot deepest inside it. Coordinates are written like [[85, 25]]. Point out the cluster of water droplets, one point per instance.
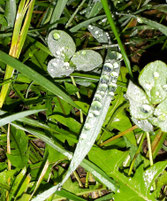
[[107, 86]]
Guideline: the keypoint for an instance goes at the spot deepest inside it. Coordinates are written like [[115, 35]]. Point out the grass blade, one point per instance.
[[86, 23], [57, 12], [10, 12], [96, 171], [95, 117], [18, 39], [13, 117], [114, 29], [35, 76]]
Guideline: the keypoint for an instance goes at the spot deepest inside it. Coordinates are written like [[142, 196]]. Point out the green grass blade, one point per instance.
[[57, 12], [18, 40], [96, 171], [153, 24], [95, 117], [114, 29], [63, 193], [86, 23], [13, 117], [10, 12], [35, 76]]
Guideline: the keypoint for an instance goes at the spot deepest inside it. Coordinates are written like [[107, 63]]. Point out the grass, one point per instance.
[[42, 117]]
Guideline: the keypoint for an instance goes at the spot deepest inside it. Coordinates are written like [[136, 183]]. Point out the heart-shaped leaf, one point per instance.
[[153, 79], [61, 44], [86, 60], [140, 107], [58, 68]]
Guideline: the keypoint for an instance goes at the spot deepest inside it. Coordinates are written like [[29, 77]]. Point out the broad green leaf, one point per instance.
[[35, 76], [19, 149], [61, 44], [69, 122], [140, 108], [19, 115], [86, 60], [98, 34], [137, 187], [153, 79], [59, 68]]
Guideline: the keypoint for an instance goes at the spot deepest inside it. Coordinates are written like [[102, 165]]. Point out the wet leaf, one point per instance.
[[61, 44], [160, 116], [140, 108], [86, 60], [59, 68], [153, 79], [98, 34]]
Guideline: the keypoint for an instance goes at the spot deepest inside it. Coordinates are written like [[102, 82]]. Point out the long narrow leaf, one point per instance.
[[16, 116], [95, 118], [35, 76]]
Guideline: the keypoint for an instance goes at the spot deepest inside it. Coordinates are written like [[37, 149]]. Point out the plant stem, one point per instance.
[[136, 154], [149, 148], [119, 135], [114, 29]]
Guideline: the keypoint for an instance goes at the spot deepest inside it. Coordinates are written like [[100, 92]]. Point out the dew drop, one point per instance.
[[165, 87], [103, 87], [139, 20], [56, 36], [146, 108], [148, 86], [108, 67], [98, 97], [114, 74], [104, 79], [162, 117], [87, 126], [91, 115], [83, 52], [116, 65], [112, 87], [96, 105], [156, 74], [96, 113], [111, 93]]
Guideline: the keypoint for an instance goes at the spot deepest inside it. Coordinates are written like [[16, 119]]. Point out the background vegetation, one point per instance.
[[42, 117]]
